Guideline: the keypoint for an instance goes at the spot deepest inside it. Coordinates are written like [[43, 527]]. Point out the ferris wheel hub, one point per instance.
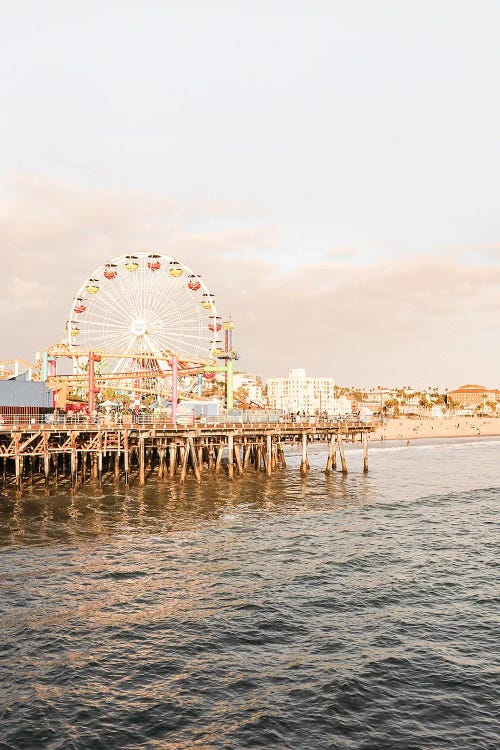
[[139, 327]]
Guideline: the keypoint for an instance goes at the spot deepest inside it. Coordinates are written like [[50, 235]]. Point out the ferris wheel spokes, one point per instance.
[[141, 311]]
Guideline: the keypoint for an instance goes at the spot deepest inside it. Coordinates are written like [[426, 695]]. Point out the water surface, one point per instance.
[[317, 612]]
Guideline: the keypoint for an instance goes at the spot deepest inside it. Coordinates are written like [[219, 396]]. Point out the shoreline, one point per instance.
[[403, 428]]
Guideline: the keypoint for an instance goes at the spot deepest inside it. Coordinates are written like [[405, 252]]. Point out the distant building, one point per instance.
[[472, 395], [250, 383], [436, 412], [299, 393]]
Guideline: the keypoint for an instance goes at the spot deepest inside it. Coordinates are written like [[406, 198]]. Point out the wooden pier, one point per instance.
[[48, 454]]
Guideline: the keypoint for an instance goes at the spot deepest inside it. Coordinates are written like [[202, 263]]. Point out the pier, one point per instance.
[[46, 455]]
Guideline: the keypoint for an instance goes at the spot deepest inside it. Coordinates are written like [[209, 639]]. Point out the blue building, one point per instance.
[[24, 398]]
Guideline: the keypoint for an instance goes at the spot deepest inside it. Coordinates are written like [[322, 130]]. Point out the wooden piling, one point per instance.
[[185, 457], [304, 464], [126, 459], [247, 454], [269, 455], [365, 452], [18, 466], [194, 459], [161, 461], [341, 454], [142, 473], [73, 463], [46, 464], [218, 460], [237, 455], [172, 459], [267, 461], [94, 468], [258, 461], [210, 451], [331, 455], [230, 456]]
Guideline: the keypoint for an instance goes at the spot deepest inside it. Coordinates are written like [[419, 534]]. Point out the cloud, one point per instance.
[[420, 319], [342, 252]]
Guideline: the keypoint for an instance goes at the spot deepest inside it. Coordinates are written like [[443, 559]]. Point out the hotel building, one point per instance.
[[299, 393]]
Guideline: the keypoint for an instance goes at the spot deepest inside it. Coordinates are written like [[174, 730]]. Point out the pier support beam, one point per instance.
[[342, 456], [172, 457], [73, 470], [218, 460], [73, 463], [258, 461], [365, 452], [185, 458], [247, 452], [230, 456], [304, 464], [126, 459], [194, 459], [19, 475], [268, 456], [142, 471], [210, 451], [237, 456], [46, 464], [332, 459], [99, 469]]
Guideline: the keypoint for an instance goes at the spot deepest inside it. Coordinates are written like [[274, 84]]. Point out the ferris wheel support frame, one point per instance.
[[175, 384], [93, 358]]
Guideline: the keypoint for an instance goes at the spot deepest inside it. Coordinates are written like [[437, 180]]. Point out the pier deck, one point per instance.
[[82, 452]]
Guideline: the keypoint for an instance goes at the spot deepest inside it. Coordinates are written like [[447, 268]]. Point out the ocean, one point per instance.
[[340, 612]]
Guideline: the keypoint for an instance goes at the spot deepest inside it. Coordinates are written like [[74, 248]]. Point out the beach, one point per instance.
[[405, 428]]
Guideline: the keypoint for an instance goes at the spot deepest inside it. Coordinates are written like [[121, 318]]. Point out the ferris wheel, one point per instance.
[[140, 309]]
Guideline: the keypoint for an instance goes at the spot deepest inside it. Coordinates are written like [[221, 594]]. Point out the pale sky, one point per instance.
[[331, 168]]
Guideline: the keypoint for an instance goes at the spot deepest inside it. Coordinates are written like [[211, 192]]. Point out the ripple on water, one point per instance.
[[339, 612]]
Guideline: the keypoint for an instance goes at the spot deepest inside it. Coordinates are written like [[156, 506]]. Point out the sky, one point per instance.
[[330, 168]]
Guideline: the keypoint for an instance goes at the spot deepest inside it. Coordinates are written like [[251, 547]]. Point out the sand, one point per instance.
[[404, 428]]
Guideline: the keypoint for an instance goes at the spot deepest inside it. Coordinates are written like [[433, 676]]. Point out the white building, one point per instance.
[[298, 393]]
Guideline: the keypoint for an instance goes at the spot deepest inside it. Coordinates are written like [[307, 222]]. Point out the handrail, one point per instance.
[[181, 423]]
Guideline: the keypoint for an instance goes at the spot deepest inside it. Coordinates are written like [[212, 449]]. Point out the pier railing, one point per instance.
[[250, 419]]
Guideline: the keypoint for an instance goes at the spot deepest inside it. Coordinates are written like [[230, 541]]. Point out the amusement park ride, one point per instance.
[[141, 326]]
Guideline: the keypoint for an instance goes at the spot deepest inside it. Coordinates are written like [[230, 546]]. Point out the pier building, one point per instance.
[[25, 399]]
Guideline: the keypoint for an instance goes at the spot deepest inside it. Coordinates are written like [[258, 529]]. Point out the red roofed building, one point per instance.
[[473, 395]]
